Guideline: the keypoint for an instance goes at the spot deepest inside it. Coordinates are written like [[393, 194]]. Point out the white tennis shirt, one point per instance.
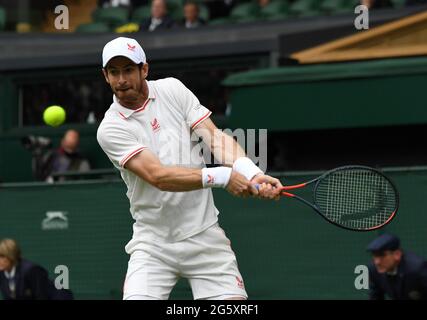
[[161, 125]]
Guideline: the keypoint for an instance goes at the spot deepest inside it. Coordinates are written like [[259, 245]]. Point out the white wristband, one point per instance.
[[217, 177], [246, 167]]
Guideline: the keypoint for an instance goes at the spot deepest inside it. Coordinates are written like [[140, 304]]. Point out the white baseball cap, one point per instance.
[[125, 47]]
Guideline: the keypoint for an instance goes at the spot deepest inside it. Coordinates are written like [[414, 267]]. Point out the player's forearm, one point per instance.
[[177, 179], [225, 149]]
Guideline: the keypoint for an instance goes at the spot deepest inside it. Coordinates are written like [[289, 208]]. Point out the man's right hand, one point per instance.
[[239, 186]]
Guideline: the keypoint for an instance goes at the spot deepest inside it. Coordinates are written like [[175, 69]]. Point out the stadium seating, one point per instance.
[[245, 12], [175, 8], [305, 8], [111, 16], [219, 21], [277, 9], [93, 27], [203, 12], [141, 13], [333, 6], [398, 3], [2, 18]]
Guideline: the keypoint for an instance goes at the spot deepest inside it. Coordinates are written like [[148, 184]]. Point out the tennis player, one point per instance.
[[147, 135]]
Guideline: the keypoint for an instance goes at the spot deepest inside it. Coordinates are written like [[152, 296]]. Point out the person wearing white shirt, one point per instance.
[[147, 133]]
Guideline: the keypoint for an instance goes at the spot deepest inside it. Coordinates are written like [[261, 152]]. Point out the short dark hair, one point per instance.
[[192, 2]]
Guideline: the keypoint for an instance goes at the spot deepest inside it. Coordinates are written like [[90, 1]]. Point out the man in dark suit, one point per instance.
[[159, 17], [21, 279], [191, 15], [395, 274]]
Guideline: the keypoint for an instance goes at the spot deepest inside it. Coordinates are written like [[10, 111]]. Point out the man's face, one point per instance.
[[386, 261], [5, 263], [263, 3], [191, 12], [158, 9], [71, 141], [368, 3], [125, 78]]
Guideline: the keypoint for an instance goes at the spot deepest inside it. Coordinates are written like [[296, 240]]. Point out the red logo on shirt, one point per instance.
[[211, 179], [131, 48], [155, 125], [240, 283]]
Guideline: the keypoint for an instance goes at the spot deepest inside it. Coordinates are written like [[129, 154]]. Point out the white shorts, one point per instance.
[[206, 260]]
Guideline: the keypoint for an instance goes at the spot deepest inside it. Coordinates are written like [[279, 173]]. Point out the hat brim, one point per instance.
[[120, 55]]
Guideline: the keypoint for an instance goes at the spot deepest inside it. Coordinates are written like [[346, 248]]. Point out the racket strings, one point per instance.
[[356, 198]]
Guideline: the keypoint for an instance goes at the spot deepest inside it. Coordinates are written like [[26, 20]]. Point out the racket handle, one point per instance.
[[257, 185]]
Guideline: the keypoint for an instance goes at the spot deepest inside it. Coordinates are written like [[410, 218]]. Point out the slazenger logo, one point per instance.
[[55, 220]]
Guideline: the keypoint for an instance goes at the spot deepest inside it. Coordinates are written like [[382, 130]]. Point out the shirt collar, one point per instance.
[[125, 113], [10, 274]]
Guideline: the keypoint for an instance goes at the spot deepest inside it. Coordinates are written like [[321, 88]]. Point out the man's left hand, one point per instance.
[[269, 187]]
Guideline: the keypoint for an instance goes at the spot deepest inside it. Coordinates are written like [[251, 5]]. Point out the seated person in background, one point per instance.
[[114, 3], [191, 16], [263, 3], [159, 17], [67, 157], [21, 279], [396, 274], [376, 4], [122, 3]]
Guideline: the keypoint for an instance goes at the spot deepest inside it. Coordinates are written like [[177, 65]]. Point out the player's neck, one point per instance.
[[140, 99], [133, 104]]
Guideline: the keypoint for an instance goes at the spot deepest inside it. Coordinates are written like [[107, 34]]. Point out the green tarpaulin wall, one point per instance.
[[284, 249], [325, 96]]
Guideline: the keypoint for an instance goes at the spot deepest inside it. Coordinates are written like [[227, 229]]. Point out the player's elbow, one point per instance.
[[159, 179], [155, 175]]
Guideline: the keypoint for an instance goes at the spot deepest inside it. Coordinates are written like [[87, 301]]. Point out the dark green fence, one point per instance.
[[325, 96], [284, 249]]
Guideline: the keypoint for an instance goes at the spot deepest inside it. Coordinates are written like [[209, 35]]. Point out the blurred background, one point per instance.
[[328, 93]]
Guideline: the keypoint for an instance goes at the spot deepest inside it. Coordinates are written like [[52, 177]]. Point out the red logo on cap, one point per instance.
[[131, 48]]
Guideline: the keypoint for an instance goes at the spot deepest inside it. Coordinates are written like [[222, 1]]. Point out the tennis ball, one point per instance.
[[54, 116]]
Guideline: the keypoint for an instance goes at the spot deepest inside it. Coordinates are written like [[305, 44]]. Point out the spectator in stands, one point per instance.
[[376, 4], [159, 17], [67, 157], [191, 16], [113, 3], [263, 3], [21, 279], [122, 3], [396, 274]]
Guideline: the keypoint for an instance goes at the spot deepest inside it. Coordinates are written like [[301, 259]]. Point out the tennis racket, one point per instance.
[[352, 197]]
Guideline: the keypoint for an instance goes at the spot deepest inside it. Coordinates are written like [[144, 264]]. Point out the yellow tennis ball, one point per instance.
[[54, 116]]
